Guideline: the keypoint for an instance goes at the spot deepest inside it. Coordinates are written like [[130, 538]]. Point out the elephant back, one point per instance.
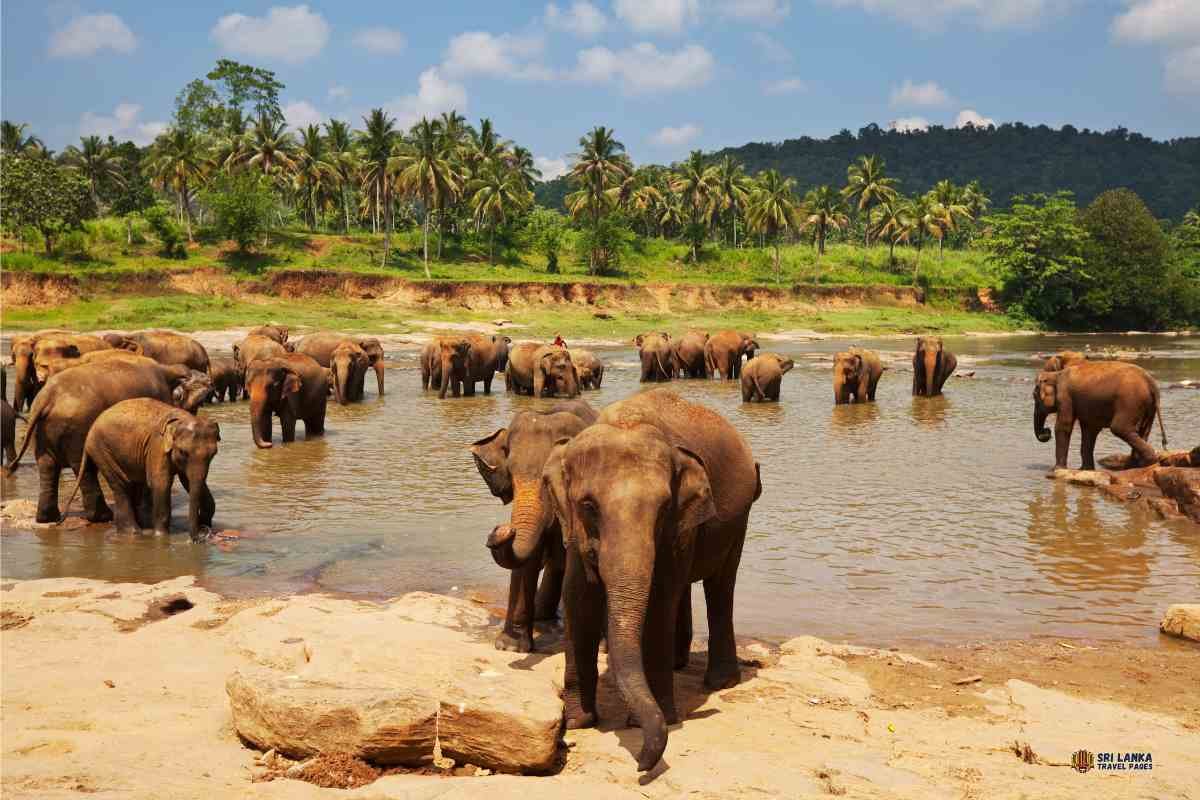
[[320, 346]]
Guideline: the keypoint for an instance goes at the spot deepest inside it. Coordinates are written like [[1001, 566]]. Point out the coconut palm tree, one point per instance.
[[733, 187], [926, 218], [772, 209], [892, 224], [953, 202], [315, 177], [824, 209], [13, 140], [97, 162], [599, 171], [484, 145], [497, 192], [269, 148], [522, 161], [376, 142], [696, 185], [425, 172], [867, 185], [178, 161], [343, 161]]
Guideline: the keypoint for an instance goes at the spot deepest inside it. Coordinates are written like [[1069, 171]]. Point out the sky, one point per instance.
[[668, 75]]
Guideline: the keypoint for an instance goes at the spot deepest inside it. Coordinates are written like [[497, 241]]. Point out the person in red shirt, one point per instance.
[[558, 341]]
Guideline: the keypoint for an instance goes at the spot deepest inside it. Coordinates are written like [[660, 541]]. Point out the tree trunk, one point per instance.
[[778, 272], [492, 248], [387, 229], [428, 212]]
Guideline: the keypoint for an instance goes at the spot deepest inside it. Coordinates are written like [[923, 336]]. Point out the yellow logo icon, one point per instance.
[[1083, 760]]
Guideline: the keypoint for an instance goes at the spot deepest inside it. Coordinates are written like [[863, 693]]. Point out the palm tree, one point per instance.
[[953, 202], [1192, 218], [498, 191], [733, 188], [377, 141], [772, 209], [868, 184], [13, 140], [485, 145], [926, 217], [646, 200], [824, 209], [696, 185], [599, 171], [178, 162], [425, 172], [97, 162], [268, 147], [893, 224], [522, 161], [314, 177], [343, 161]]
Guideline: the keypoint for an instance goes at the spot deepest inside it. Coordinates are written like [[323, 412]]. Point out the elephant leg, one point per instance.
[[487, 383], [126, 499], [517, 635], [287, 426], [659, 642], [208, 505], [723, 670], [1087, 445], [683, 630], [1144, 452], [469, 387], [584, 605], [314, 425], [49, 473], [1062, 440], [545, 605], [161, 516], [95, 509]]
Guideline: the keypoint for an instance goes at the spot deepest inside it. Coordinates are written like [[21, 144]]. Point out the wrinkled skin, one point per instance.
[[541, 371], [489, 355], [278, 333], [654, 351], [932, 366], [26, 384], [446, 365], [855, 375], [254, 348], [724, 351], [589, 368], [140, 446], [688, 354], [292, 387], [653, 497], [374, 350], [228, 379], [510, 462], [55, 353], [121, 341], [167, 347], [8, 421], [54, 366], [71, 401], [1060, 361], [1098, 394], [347, 366], [762, 376]]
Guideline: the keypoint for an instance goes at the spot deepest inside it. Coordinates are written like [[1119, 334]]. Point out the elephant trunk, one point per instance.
[[513, 545], [571, 381], [341, 383], [628, 597], [260, 422], [1039, 422], [195, 500], [379, 375], [447, 367], [933, 363]]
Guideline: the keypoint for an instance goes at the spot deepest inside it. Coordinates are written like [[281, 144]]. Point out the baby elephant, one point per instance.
[[762, 376], [140, 446], [228, 377], [855, 375]]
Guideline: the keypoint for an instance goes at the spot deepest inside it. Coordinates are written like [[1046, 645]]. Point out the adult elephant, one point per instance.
[[228, 377], [278, 333], [932, 366], [1098, 394], [654, 496], [688, 353], [589, 368], [541, 370], [8, 421], [26, 385], [256, 347], [446, 365], [71, 401], [654, 351], [168, 347], [292, 387], [347, 365], [510, 461], [121, 341], [140, 446], [1062, 360], [855, 375], [489, 355], [374, 350], [762, 376], [724, 351]]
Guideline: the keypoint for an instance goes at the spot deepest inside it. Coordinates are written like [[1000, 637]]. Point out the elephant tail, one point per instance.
[[35, 419], [83, 465], [1162, 431], [668, 373], [761, 394]]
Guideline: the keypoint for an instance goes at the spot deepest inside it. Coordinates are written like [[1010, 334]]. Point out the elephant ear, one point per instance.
[[556, 489], [639, 339], [757, 480], [491, 459], [291, 383], [168, 435], [693, 492]]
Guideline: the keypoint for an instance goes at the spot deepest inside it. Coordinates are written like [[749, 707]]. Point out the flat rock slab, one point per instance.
[[1182, 620], [391, 686]]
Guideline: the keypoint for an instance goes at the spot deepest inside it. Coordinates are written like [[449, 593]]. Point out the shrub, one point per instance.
[[242, 207], [166, 230]]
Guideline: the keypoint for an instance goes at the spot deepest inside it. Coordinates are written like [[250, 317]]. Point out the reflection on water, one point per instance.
[[907, 518]]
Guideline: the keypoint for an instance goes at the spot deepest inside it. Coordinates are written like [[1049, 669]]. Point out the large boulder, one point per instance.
[[1182, 620], [393, 685]]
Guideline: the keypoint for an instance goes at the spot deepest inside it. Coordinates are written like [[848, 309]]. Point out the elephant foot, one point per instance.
[[544, 612], [718, 678], [103, 515], [48, 515], [580, 719], [521, 643]]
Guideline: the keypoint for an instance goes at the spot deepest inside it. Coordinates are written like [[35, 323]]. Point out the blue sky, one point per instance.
[[668, 75]]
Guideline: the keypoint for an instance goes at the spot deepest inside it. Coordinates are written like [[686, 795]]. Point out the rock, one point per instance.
[[391, 684], [1082, 477], [1182, 620], [1182, 485]]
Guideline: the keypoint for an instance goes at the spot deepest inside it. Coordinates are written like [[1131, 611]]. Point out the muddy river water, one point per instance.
[[909, 518]]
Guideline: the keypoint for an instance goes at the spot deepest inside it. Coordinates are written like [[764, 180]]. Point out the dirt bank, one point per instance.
[[119, 690]]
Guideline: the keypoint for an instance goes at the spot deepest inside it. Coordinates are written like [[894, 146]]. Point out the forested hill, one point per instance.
[[1009, 160]]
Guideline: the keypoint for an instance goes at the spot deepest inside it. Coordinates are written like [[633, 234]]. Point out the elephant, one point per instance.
[[1062, 360], [278, 333], [228, 377], [71, 401], [26, 384], [688, 354], [510, 461], [855, 375], [374, 350], [121, 341], [8, 421], [254, 347], [932, 366], [293, 387], [541, 370], [446, 364], [652, 497], [140, 446], [724, 351], [168, 347], [1098, 394], [53, 354], [589, 368], [654, 351], [762, 376], [347, 365], [489, 355]]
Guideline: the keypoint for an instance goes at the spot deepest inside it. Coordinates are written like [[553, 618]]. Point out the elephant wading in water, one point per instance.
[[140, 446], [167, 347], [510, 461], [1060, 361], [71, 401], [8, 421], [652, 497], [762, 376], [1099, 394], [489, 355], [688, 352], [292, 387], [228, 377], [724, 351], [654, 351], [277, 332], [347, 365], [932, 366], [446, 364], [589, 368], [855, 375], [26, 384], [541, 370], [322, 346]]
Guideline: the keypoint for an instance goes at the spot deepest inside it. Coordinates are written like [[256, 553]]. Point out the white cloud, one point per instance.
[[756, 10], [338, 93], [380, 41], [89, 34], [969, 116], [581, 19], [909, 124], [551, 168], [434, 95], [911, 94], [1171, 24], [676, 137], [499, 56], [123, 124], [785, 86], [1183, 71], [287, 33], [657, 16], [644, 69], [934, 14], [770, 48], [301, 114]]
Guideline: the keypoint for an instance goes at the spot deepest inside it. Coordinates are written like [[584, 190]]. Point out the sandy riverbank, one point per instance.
[[119, 690]]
